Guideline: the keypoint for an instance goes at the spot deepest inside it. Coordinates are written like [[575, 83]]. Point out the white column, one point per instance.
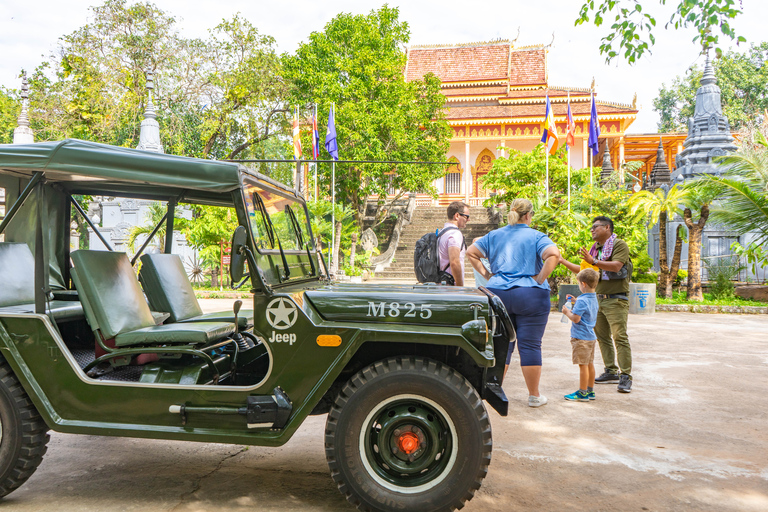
[[584, 153], [467, 172], [502, 152]]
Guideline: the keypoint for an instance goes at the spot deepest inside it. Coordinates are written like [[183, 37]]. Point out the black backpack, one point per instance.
[[426, 260]]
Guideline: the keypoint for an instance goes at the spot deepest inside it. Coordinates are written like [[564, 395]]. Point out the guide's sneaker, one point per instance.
[[607, 377], [577, 396], [625, 384], [591, 395], [536, 401]]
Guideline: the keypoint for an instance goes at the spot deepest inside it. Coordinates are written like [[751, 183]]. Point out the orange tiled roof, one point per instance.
[[456, 64], [528, 67]]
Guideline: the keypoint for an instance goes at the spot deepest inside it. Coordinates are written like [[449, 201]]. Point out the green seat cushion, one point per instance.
[[167, 287], [244, 318], [186, 333], [17, 274], [111, 296]]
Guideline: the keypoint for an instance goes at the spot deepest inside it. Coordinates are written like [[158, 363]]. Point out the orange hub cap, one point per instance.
[[408, 443]]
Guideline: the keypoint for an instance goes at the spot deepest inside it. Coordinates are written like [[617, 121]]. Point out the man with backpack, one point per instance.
[[439, 255], [450, 244]]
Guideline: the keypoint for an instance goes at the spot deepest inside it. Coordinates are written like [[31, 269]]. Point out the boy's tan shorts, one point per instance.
[[583, 351]]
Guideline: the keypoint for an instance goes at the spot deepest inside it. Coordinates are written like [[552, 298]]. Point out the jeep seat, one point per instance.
[[17, 285], [168, 289], [115, 307]]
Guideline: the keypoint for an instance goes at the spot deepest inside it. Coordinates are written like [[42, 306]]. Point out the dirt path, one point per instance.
[[691, 436]]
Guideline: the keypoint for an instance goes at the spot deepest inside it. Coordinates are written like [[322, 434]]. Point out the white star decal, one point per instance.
[[281, 313]]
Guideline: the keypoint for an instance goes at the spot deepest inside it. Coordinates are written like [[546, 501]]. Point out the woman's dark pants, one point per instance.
[[529, 310]]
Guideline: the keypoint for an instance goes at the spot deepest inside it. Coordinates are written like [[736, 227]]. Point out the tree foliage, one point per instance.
[[357, 63], [523, 175], [9, 113], [215, 97], [743, 81], [632, 27]]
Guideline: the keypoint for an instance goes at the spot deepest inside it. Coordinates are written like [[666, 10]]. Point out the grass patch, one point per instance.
[[709, 300]]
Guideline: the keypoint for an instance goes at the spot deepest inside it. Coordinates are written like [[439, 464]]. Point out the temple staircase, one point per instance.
[[426, 219]]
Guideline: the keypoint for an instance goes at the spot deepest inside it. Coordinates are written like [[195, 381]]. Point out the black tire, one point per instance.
[[23, 433], [426, 401]]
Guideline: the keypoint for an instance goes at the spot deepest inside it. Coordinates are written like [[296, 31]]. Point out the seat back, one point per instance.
[[167, 287], [111, 296], [17, 274]]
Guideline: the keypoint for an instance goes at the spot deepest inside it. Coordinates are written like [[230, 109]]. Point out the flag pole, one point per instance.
[[333, 201], [568, 148], [547, 177]]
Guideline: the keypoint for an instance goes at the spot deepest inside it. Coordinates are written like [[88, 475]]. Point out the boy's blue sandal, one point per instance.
[[577, 396]]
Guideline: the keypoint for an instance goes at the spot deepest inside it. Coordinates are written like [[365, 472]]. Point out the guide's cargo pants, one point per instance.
[[611, 331]]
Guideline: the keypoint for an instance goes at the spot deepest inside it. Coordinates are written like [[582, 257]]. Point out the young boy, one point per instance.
[[583, 339]]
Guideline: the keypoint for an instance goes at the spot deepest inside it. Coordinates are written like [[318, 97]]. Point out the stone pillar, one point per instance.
[[621, 159], [467, 172], [23, 133]]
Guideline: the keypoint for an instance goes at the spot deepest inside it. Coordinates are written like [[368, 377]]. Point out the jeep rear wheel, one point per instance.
[[23, 433], [408, 433]]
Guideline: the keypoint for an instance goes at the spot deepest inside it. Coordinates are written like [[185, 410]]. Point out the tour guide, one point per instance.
[[610, 255]]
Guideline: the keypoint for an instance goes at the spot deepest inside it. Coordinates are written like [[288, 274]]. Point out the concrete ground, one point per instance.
[[691, 436]]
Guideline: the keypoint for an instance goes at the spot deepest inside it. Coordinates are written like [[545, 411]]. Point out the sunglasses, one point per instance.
[[595, 226], [464, 215]]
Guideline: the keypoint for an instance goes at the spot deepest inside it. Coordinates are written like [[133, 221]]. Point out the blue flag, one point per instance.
[[330, 137], [594, 129]]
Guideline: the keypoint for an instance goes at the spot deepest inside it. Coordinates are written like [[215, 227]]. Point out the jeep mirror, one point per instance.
[[237, 261]]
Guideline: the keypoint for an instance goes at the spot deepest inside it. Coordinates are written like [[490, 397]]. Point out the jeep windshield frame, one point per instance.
[[282, 241]]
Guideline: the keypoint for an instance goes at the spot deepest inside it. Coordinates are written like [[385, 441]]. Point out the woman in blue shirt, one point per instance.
[[521, 260]]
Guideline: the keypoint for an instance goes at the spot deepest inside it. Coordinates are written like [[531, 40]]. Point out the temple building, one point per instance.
[[495, 94]]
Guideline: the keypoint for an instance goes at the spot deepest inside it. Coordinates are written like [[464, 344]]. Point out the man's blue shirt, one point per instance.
[[514, 253], [586, 308]]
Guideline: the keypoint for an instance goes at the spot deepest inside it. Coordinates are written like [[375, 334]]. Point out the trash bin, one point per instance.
[[642, 298], [566, 289]]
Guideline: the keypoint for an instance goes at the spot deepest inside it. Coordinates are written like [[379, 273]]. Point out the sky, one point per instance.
[[29, 33]]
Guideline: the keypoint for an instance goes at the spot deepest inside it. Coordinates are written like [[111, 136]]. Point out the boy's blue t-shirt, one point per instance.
[[586, 307]]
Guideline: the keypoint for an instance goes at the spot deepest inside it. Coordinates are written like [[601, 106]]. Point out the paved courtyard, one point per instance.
[[691, 436]]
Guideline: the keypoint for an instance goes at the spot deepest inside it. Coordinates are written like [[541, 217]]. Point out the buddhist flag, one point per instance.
[[550, 131], [594, 129], [315, 139], [296, 135], [330, 136], [570, 128]]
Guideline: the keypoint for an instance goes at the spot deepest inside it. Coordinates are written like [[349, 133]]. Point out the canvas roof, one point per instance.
[[101, 166]]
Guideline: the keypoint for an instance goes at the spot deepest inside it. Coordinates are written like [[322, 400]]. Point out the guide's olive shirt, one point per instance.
[[614, 286]]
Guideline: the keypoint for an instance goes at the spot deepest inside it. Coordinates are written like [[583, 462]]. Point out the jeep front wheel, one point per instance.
[[23, 433], [408, 433]]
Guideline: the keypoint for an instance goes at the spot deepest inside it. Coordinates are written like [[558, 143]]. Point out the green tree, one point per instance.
[[700, 195], [659, 206], [632, 27], [210, 226], [743, 205], [216, 97], [743, 81], [9, 114], [357, 63]]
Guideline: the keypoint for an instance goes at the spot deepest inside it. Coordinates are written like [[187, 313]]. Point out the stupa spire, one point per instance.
[[23, 134], [660, 174], [607, 167], [149, 136]]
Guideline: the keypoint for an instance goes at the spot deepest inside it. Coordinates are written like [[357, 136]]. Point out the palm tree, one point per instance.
[[155, 213], [744, 202], [701, 194], [661, 205]]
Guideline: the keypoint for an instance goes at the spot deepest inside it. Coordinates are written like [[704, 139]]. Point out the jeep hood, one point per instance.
[[405, 304]]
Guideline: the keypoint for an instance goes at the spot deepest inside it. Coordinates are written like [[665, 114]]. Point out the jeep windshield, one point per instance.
[[281, 233]]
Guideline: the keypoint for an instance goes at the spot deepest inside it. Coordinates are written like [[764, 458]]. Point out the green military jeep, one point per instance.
[[88, 347]]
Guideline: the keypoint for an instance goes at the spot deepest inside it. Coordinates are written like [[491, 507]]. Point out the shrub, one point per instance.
[[722, 272]]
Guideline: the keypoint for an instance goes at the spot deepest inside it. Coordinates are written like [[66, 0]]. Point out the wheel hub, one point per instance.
[[408, 443]]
